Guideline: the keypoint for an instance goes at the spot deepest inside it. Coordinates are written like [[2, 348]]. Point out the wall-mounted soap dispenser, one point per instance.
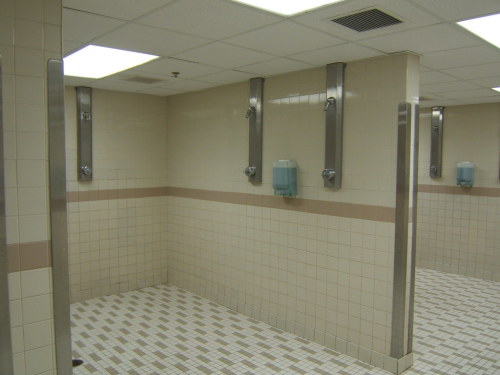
[[465, 174], [285, 178]]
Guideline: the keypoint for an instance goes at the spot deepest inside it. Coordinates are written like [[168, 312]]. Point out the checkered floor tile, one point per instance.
[[166, 330]]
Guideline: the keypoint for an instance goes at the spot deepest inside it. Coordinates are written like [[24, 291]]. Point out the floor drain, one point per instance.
[[77, 362]]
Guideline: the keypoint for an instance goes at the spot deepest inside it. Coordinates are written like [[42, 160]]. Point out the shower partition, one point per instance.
[[58, 216], [6, 366]]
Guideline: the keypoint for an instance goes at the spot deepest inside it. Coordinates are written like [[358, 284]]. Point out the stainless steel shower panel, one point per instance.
[[254, 115], [334, 113], [58, 216], [436, 141], [401, 231], [413, 250], [84, 130], [6, 366]]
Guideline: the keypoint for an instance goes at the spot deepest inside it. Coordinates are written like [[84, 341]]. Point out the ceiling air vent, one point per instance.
[[367, 20], [146, 80]]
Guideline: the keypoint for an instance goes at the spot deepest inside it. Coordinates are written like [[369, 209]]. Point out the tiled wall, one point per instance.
[[116, 240], [326, 277], [30, 34], [458, 227]]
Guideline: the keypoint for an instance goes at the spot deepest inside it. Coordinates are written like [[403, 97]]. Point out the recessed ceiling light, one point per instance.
[[496, 88], [287, 7], [487, 28], [97, 62]]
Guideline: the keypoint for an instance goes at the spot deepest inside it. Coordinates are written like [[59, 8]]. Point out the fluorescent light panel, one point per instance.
[[97, 62], [287, 7], [487, 28], [496, 89]]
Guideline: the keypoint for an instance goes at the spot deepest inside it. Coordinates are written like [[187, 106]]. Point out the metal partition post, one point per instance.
[[84, 130], [58, 220], [436, 141], [401, 231], [254, 115], [6, 366], [334, 112], [413, 250]]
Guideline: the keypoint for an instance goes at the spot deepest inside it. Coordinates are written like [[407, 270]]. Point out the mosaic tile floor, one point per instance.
[[165, 330]]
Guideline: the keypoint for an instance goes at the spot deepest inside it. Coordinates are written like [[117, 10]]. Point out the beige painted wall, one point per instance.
[[458, 232], [30, 35], [117, 244], [325, 277]]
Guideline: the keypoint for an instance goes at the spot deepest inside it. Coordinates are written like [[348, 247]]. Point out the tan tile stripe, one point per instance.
[[446, 189], [28, 256], [355, 211]]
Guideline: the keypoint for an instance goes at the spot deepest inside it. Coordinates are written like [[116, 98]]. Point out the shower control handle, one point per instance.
[[328, 175], [251, 110], [330, 102], [86, 170], [250, 171]]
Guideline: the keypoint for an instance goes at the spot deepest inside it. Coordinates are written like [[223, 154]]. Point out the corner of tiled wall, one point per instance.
[[30, 34]]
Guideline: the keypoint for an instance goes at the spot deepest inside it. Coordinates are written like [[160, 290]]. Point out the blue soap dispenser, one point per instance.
[[465, 174], [285, 178]]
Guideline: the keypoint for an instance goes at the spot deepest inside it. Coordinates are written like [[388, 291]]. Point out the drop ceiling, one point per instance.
[[217, 42]]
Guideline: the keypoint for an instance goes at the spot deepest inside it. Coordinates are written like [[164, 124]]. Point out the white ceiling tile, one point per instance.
[[277, 66], [487, 82], [122, 9], [433, 76], [166, 66], [227, 76], [475, 71], [69, 47], [447, 87], [107, 84], [480, 100], [287, 38], [423, 40], [150, 40], [160, 91], [439, 102], [188, 85], [476, 93], [129, 77], [411, 15], [224, 55], [76, 81], [215, 19], [461, 57], [343, 52], [456, 10], [83, 27]]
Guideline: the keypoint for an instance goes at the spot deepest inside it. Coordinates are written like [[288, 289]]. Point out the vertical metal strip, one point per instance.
[[84, 132], [413, 257], [334, 115], [401, 231], [254, 115], [6, 366], [58, 216], [435, 169]]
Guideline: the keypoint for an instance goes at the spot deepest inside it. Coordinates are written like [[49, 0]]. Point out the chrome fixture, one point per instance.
[[6, 365], [58, 215], [436, 141], [84, 125], [254, 116], [334, 111]]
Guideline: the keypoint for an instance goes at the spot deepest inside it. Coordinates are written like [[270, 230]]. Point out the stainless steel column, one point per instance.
[[401, 232], [6, 367], [254, 115], [334, 113], [58, 219], [413, 250], [435, 169], [84, 130]]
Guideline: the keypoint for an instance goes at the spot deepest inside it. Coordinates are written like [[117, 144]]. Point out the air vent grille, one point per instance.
[[146, 80], [367, 20]]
